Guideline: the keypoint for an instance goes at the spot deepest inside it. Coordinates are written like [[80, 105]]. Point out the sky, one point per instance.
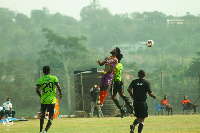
[[73, 7]]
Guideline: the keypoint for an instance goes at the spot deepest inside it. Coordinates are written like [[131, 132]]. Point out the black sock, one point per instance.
[[117, 104], [135, 122], [49, 124], [140, 127], [127, 101], [41, 124]]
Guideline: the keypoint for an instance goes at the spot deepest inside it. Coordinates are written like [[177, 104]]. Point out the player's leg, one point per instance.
[[107, 83], [42, 112], [136, 121], [125, 99], [141, 125], [143, 113], [101, 94], [113, 91], [51, 113]]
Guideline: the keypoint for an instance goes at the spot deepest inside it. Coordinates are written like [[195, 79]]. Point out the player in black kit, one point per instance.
[[138, 90]]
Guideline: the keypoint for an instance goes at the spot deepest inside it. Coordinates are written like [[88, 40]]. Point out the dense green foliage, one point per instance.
[[67, 44]]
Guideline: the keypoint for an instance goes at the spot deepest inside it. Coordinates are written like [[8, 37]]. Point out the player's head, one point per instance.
[[185, 97], [8, 99], [46, 70], [141, 74], [113, 52], [165, 96], [119, 55]]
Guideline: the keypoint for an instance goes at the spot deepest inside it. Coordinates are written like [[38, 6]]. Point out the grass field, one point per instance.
[[153, 124]]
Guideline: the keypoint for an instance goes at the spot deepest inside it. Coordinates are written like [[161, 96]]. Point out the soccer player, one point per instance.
[[107, 76], [48, 96], [8, 108], [138, 90], [117, 86]]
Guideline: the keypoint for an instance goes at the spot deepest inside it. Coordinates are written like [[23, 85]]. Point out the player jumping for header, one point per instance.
[[107, 76], [117, 86]]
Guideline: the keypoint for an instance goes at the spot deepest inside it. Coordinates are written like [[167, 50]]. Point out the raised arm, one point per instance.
[[100, 63]]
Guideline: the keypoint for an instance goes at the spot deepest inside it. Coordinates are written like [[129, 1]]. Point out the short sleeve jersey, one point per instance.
[[118, 72], [110, 62], [140, 89], [185, 101], [7, 106], [47, 84]]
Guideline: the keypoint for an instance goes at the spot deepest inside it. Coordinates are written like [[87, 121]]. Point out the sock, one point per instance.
[[49, 124], [117, 104], [105, 95], [135, 122], [101, 97], [140, 127], [127, 101], [41, 124]]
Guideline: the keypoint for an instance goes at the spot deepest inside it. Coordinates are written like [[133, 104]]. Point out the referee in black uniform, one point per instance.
[[138, 90]]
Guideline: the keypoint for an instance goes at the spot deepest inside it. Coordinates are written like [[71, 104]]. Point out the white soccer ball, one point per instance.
[[150, 43]]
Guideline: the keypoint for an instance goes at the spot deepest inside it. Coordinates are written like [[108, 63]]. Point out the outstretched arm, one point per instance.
[[59, 89], [100, 63], [152, 95]]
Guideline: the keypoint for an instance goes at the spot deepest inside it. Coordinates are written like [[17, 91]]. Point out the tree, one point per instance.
[[194, 68], [66, 51]]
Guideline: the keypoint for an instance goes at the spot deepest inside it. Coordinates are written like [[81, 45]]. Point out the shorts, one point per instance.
[[48, 107], [117, 86], [107, 79], [141, 109]]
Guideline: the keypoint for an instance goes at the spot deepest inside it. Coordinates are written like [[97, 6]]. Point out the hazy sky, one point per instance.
[[73, 7]]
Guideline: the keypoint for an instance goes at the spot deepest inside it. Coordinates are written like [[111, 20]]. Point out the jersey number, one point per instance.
[[48, 85]]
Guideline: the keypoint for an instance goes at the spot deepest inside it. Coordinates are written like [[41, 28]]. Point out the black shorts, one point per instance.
[[48, 107], [116, 87], [141, 109]]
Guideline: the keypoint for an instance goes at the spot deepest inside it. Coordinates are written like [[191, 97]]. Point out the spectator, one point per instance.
[[168, 107], [8, 108], [187, 105]]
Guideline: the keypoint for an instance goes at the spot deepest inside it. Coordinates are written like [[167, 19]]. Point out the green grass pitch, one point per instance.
[[153, 124]]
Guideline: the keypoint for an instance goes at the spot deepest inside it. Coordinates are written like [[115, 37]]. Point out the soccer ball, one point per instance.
[[150, 43]]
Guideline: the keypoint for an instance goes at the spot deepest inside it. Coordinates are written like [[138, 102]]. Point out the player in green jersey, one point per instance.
[[48, 96], [117, 86]]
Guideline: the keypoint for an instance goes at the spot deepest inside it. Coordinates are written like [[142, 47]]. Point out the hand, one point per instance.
[[98, 61], [155, 97], [60, 96]]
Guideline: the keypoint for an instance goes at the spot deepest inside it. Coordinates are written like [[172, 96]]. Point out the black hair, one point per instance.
[[8, 99], [46, 69], [141, 74], [119, 55]]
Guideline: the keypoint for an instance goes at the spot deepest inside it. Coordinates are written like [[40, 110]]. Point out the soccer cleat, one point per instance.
[[132, 128], [122, 113], [44, 132]]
